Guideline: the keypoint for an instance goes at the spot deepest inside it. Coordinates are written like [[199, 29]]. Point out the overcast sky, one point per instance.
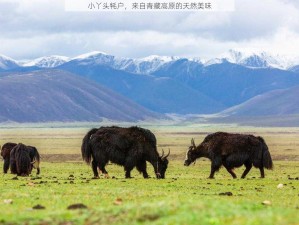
[[34, 28]]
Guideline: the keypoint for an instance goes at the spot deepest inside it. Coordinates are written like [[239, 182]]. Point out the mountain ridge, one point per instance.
[[54, 95], [149, 64]]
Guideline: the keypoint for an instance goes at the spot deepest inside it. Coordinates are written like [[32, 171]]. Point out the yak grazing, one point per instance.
[[128, 147], [23, 159], [231, 151], [5, 153]]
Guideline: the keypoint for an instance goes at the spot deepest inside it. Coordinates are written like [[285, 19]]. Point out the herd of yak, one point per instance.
[[134, 146]]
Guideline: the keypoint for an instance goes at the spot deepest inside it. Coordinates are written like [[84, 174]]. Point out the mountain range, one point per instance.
[[54, 95], [231, 84], [150, 64]]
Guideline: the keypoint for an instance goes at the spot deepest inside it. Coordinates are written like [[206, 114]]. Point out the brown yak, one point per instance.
[[231, 151], [129, 147]]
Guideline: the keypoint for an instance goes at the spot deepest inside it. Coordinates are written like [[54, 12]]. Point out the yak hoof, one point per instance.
[[96, 177]]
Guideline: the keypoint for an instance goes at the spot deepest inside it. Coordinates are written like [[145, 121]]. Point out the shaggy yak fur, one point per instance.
[[231, 151], [23, 159], [128, 147], [5, 153]]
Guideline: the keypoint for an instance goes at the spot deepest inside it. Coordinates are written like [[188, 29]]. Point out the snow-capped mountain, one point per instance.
[[145, 65], [47, 61], [181, 85], [255, 59], [140, 65], [7, 63], [151, 64]]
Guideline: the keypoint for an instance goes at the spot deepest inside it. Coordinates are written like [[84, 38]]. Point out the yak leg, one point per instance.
[[248, 166], [37, 170], [128, 169], [215, 166], [94, 165], [212, 173], [104, 171], [6, 165], [129, 165], [141, 167], [128, 172], [230, 170], [262, 172]]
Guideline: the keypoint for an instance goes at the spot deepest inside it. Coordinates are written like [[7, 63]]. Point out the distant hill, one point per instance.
[[227, 83], [277, 103], [160, 94], [54, 95], [168, 84]]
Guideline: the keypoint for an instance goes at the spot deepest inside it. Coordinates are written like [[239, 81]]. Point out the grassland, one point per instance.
[[186, 196]]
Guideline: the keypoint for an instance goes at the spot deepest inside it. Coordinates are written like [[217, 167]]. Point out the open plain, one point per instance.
[[65, 193]]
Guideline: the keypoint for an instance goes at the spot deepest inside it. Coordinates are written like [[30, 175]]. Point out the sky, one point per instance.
[[33, 28]]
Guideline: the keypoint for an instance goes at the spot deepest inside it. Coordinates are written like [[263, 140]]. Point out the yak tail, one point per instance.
[[36, 155], [85, 147], [36, 160], [267, 160], [22, 160]]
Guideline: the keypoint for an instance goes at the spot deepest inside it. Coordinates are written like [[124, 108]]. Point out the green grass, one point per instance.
[[186, 196]]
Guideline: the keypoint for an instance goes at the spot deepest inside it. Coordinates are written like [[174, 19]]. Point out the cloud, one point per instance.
[[121, 43], [292, 2], [32, 28]]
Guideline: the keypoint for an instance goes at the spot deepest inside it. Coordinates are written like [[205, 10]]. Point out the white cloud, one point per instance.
[[283, 42], [32, 28]]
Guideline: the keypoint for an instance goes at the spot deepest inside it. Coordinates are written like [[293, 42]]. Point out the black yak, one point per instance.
[[128, 147], [231, 151], [23, 159], [5, 153]]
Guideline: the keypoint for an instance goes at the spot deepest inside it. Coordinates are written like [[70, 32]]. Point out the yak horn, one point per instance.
[[165, 157], [193, 143], [33, 162], [162, 153]]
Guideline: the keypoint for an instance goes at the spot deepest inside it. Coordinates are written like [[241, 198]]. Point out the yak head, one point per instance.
[[5, 153], [191, 154], [162, 165], [1, 151]]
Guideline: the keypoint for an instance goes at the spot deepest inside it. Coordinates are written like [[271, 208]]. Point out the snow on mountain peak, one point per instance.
[[146, 65], [197, 60], [48, 61], [90, 55], [7, 63], [4, 57], [158, 58], [254, 59]]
